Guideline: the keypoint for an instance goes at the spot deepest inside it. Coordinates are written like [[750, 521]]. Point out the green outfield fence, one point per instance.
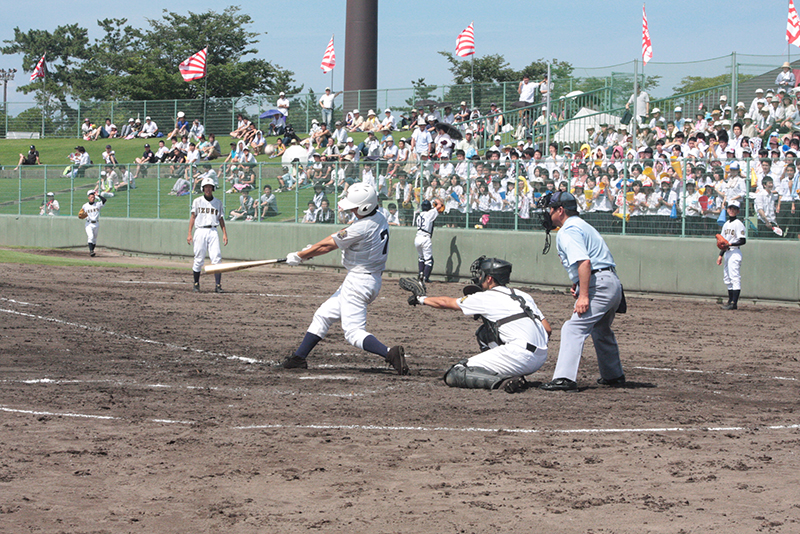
[[602, 89], [23, 192]]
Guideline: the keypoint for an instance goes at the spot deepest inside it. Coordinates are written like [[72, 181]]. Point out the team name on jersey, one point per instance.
[[212, 211]]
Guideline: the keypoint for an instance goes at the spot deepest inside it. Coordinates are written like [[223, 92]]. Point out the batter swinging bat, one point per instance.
[[238, 266]]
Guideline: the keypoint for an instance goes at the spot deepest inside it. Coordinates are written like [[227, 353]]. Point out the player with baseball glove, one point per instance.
[[730, 255], [90, 213], [513, 336]]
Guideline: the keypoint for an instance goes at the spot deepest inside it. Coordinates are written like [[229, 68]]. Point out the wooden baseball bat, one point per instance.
[[238, 266]]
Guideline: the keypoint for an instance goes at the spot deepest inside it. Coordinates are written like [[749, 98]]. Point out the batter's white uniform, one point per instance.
[[514, 357], [422, 241], [364, 246], [92, 221], [732, 259], [207, 214]]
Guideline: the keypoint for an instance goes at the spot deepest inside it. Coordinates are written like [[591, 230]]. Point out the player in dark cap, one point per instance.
[[596, 288]]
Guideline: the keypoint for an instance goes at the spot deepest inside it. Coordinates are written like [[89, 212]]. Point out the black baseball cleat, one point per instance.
[[294, 362], [397, 359], [613, 382], [515, 384], [91, 254], [730, 306], [218, 289], [196, 287], [560, 384]]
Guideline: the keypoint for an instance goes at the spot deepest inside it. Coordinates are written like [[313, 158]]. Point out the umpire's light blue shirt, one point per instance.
[[576, 241]]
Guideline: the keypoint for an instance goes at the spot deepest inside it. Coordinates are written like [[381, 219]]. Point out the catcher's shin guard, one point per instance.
[[461, 376]]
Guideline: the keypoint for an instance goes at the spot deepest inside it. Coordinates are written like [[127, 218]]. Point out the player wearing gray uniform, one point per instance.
[[364, 245], [596, 288], [92, 222], [514, 334], [206, 215], [731, 258], [423, 241]]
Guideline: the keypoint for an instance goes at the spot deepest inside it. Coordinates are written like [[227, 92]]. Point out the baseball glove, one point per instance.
[[82, 214], [722, 243], [416, 287]]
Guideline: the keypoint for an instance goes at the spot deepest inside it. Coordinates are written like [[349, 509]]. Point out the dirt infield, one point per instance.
[[130, 404]]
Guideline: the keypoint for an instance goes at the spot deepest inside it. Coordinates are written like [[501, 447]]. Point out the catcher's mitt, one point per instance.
[[416, 287], [722, 243], [82, 214]]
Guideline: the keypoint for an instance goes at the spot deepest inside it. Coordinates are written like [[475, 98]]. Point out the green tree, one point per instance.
[[142, 64], [690, 84]]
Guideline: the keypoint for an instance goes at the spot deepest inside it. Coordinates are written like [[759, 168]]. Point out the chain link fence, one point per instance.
[[623, 197]]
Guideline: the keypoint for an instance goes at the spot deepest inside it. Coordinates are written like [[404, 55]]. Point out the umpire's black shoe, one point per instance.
[[397, 359], [196, 287], [614, 382], [560, 384], [218, 289], [294, 362]]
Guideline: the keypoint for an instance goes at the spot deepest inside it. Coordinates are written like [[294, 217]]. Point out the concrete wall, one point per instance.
[[647, 264]]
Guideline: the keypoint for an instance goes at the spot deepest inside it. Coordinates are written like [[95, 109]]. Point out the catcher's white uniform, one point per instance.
[[514, 357], [364, 245], [207, 215]]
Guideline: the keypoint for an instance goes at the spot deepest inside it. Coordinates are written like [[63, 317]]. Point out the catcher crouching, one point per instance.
[[514, 334]]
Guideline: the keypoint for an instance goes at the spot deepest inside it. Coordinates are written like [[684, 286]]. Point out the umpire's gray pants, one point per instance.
[[605, 294]]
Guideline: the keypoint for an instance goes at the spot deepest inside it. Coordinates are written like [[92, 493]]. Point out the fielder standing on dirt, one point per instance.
[[730, 255], [596, 288], [423, 241], [205, 216], [513, 336], [364, 245], [90, 212]]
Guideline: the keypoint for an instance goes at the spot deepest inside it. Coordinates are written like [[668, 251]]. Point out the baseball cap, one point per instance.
[[281, 94], [91, 192], [463, 103], [733, 204], [678, 109], [498, 138], [181, 114], [355, 111], [130, 120], [147, 145], [387, 110], [327, 88], [734, 165], [147, 118], [349, 140], [563, 198], [108, 146], [50, 194], [468, 132]]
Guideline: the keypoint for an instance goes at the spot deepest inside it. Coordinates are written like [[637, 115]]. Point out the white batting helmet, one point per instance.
[[361, 196], [208, 181]]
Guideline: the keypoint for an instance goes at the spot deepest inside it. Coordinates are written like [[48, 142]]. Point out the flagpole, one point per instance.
[[472, 83], [44, 94], [205, 88]]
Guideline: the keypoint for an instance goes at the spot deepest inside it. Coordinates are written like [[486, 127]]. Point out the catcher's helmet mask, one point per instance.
[[483, 267], [549, 201]]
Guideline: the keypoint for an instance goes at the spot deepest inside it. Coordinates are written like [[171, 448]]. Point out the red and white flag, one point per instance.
[[329, 59], [793, 26], [40, 69], [647, 45], [465, 42], [194, 67]]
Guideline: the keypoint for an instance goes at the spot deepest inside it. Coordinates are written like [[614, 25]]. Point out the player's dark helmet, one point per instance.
[[425, 206], [483, 267]]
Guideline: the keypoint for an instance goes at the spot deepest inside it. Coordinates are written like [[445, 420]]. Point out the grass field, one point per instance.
[[151, 197]]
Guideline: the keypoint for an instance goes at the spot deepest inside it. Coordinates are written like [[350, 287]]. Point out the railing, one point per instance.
[[164, 191]]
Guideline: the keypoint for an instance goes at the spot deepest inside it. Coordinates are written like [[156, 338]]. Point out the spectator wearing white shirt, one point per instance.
[[388, 122], [196, 131], [149, 128], [283, 104], [785, 79]]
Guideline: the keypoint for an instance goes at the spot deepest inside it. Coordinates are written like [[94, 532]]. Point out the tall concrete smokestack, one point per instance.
[[361, 56]]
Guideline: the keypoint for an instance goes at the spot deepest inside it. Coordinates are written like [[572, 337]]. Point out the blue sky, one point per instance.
[[294, 34]]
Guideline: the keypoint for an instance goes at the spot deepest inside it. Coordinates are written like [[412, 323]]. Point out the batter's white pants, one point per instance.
[[348, 305], [91, 231], [424, 246], [731, 262], [205, 239], [509, 360]]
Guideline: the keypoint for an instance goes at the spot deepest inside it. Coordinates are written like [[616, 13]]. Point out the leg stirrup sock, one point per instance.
[[371, 344], [309, 342]]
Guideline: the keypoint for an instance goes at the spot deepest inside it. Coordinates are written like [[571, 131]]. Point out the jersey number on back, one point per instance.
[[385, 237]]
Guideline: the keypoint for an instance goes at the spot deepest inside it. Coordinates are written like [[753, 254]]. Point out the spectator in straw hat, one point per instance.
[[785, 79]]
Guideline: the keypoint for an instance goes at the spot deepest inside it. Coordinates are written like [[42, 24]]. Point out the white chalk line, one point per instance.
[[149, 282], [515, 430], [700, 371], [134, 338], [12, 301], [423, 429], [88, 416]]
